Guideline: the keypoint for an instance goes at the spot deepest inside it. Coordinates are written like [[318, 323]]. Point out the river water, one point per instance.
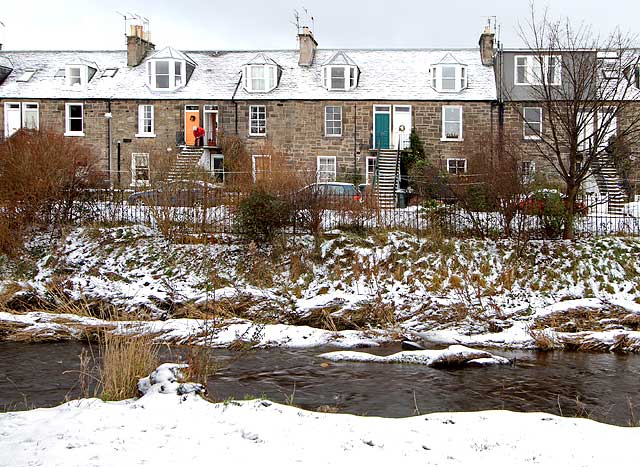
[[604, 387]]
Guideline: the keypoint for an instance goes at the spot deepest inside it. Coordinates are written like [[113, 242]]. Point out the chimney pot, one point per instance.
[[486, 43], [308, 47], [138, 45]]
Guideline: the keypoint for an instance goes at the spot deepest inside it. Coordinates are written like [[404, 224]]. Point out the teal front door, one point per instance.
[[382, 125]]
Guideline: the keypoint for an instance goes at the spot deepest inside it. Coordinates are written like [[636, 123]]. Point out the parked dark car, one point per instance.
[[183, 193], [539, 201]]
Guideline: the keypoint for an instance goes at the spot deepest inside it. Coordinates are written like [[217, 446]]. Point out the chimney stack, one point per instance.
[[486, 43], [138, 45], [307, 47]]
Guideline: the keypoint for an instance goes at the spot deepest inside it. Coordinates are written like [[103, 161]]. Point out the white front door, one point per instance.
[[401, 126], [211, 125], [12, 118]]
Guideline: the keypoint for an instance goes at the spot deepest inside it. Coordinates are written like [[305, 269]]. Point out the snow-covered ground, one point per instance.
[[171, 425], [352, 291]]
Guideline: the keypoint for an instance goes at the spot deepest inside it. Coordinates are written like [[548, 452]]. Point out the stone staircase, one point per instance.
[[388, 172], [186, 163], [609, 183]]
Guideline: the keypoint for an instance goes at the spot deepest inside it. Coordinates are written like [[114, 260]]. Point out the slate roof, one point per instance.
[[340, 58], [390, 74]]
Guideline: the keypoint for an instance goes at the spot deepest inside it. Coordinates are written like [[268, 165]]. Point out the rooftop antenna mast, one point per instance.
[[310, 17], [126, 18], [2, 28], [296, 20]]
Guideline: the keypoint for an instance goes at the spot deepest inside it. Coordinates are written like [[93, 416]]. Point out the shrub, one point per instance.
[[262, 215], [42, 174]]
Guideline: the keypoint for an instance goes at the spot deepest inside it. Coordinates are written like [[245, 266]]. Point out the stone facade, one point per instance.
[[293, 127]]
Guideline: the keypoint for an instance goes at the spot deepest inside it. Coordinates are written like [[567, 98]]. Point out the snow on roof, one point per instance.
[[449, 59], [170, 52], [261, 59], [391, 74], [340, 58]]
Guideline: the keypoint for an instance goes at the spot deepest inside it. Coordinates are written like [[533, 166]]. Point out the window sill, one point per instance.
[[532, 138], [333, 136], [145, 135], [258, 135], [74, 133], [140, 184], [451, 139]]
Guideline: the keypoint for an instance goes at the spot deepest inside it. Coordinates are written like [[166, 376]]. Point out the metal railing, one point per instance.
[[216, 212]]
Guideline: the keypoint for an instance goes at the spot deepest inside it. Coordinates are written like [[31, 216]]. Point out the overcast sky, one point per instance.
[[263, 24]]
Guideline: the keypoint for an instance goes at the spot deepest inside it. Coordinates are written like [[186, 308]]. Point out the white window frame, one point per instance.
[[83, 75], [527, 124], [369, 175], [254, 157], [460, 78], [456, 159], [444, 121], [7, 107], [214, 171], [332, 174], [251, 119], [268, 79], [134, 179], [172, 62], [532, 69], [67, 122], [23, 113], [22, 106], [326, 121], [141, 121], [350, 77]]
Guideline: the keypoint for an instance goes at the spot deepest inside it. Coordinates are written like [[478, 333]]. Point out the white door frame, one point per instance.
[[396, 125], [390, 113], [208, 111], [7, 111]]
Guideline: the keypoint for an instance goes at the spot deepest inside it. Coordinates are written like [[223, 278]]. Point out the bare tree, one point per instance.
[[587, 88]]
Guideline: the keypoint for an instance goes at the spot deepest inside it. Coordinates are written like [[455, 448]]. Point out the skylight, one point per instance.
[[109, 73], [26, 76]]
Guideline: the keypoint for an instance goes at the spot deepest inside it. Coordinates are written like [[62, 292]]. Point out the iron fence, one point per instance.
[[216, 212]]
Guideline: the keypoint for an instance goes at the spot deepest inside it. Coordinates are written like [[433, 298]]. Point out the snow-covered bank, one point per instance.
[[39, 326], [578, 295], [168, 430]]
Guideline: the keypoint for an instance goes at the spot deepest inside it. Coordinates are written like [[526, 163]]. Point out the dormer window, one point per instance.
[[76, 76], [169, 69], [165, 75], [339, 77], [340, 73], [449, 77], [260, 78]]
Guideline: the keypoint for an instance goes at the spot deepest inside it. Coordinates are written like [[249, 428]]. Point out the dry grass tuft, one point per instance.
[[545, 340], [125, 359]]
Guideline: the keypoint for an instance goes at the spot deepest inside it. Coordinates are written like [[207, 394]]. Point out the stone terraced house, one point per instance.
[[333, 113]]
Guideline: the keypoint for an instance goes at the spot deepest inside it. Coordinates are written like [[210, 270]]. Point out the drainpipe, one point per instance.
[[109, 117], [235, 103], [119, 181], [355, 140]]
